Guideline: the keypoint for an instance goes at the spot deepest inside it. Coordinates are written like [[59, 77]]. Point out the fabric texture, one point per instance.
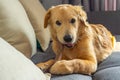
[[108, 74], [15, 27], [43, 56], [36, 13], [117, 38], [109, 69], [15, 66], [72, 77]]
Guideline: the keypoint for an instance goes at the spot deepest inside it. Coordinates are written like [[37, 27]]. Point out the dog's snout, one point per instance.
[[67, 38]]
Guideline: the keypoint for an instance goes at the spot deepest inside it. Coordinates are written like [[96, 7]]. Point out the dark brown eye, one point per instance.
[[58, 23], [72, 20]]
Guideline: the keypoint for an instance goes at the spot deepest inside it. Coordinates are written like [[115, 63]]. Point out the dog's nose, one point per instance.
[[67, 38]]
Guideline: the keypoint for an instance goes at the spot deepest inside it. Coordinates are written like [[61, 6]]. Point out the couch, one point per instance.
[[21, 24]]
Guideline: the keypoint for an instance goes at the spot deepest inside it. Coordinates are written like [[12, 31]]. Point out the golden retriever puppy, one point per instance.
[[78, 45]]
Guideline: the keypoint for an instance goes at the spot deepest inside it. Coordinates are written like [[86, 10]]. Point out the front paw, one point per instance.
[[44, 66], [62, 67]]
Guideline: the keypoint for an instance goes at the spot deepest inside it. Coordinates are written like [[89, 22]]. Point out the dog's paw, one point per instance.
[[62, 67], [44, 66]]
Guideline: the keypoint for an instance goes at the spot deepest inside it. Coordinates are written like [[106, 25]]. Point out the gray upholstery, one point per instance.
[[43, 56], [117, 38], [72, 77], [111, 61], [112, 73], [109, 69]]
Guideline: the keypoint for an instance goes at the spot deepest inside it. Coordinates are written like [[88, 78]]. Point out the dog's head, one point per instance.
[[64, 21]]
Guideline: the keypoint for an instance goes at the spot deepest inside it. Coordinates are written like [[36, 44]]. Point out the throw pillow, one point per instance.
[[15, 66], [36, 13], [15, 27]]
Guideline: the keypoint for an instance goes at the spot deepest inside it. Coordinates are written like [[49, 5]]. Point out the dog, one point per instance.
[[79, 46]]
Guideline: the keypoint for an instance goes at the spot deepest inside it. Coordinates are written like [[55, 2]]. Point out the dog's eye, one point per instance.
[[72, 20], [58, 23]]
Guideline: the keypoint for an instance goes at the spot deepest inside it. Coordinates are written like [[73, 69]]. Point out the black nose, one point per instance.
[[67, 38]]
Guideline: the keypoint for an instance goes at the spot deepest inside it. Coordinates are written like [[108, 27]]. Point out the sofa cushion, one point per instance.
[[117, 38], [43, 56], [15, 27], [15, 66], [36, 13], [109, 69], [112, 73], [72, 77]]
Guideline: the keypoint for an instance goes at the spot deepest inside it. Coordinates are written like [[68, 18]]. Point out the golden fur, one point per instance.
[[91, 43]]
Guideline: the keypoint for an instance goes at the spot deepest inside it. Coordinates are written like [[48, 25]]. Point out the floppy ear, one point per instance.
[[46, 19], [81, 14]]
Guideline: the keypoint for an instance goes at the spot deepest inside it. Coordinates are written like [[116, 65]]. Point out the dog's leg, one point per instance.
[[46, 65], [74, 66]]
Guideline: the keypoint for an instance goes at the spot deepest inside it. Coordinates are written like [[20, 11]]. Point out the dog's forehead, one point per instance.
[[62, 10]]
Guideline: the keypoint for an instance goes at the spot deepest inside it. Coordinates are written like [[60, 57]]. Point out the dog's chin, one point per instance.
[[69, 45]]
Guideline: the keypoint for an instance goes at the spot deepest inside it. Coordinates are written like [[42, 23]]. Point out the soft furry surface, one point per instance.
[[78, 45]]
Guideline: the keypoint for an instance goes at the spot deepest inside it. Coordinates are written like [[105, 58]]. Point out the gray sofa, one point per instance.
[[109, 69]]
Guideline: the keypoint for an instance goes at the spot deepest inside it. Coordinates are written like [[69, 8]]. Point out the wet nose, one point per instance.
[[67, 38]]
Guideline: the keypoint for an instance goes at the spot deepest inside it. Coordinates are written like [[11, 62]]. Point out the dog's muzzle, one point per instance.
[[68, 41]]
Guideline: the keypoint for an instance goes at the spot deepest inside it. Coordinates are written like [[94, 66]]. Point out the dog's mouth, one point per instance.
[[69, 45]]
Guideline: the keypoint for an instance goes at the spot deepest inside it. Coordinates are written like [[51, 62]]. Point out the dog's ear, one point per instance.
[[47, 17], [81, 14]]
